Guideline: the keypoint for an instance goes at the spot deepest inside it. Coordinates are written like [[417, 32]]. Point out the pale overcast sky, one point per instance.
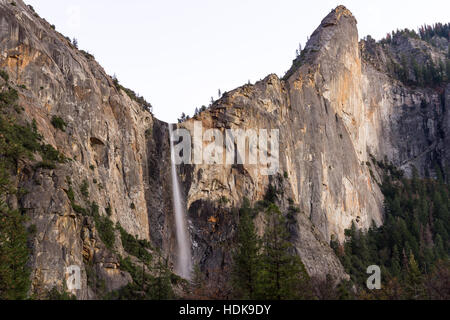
[[177, 54]]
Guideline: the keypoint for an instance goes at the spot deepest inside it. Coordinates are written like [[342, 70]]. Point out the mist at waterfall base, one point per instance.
[[183, 263]]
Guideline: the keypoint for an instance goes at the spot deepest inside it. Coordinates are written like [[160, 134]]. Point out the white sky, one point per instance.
[[178, 53]]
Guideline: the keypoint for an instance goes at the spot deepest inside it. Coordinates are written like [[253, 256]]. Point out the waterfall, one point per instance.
[[183, 264]]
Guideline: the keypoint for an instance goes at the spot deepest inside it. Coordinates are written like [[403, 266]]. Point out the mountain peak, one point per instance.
[[341, 11], [336, 34], [337, 16]]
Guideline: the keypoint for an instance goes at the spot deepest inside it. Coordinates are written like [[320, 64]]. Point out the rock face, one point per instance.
[[408, 125], [319, 111], [105, 137], [333, 109]]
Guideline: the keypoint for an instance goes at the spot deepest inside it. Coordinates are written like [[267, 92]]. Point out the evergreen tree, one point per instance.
[[413, 279], [247, 260], [160, 286], [418, 73], [14, 274], [198, 281], [395, 262], [283, 272], [411, 242]]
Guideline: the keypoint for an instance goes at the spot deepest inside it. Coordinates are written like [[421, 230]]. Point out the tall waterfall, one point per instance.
[[183, 264]]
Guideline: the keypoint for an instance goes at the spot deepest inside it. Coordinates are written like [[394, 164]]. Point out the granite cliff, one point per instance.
[[338, 109]]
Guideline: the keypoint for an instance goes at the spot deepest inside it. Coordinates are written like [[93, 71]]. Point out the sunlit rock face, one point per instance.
[[337, 109], [105, 139], [320, 113], [333, 109]]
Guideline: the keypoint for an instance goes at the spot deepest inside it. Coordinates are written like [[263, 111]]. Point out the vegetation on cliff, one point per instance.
[[415, 64], [18, 143], [412, 248], [267, 267]]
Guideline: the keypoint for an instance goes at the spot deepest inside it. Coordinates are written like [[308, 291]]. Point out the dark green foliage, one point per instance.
[[84, 189], [4, 75], [95, 210], [45, 165], [247, 258], [105, 229], [128, 266], [427, 32], [271, 194], [55, 295], [267, 268], [183, 118], [32, 229], [71, 194], [14, 253], [50, 154], [80, 209], [161, 283], [283, 274], [412, 241], [198, 280], [59, 123], [87, 55], [429, 73], [145, 286], [17, 142], [9, 97], [133, 95], [94, 282], [134, 246], [223, 200]]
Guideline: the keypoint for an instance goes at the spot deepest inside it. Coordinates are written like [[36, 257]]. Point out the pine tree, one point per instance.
[[413, 279], [283, 273], [247, 261], [198, 280], [160, 286], [14, 274], [395, 262], [418, 73]]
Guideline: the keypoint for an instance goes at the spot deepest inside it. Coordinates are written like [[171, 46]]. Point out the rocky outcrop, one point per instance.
[[337, 106], [105, 140], [318, 109], [407, 124]]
